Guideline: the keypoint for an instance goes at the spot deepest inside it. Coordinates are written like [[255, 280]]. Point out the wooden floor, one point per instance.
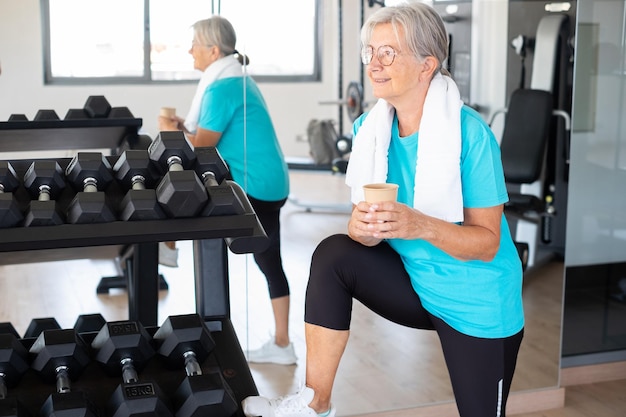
[[386, 367]]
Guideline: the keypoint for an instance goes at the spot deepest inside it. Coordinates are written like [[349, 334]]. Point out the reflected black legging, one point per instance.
[[270, 261], [480, 369]]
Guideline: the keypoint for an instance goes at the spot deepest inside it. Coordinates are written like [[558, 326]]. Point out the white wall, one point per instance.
[[291, 105]]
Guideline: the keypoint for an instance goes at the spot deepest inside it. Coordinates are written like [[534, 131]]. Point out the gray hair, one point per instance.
[[218, 31], [424, 30]]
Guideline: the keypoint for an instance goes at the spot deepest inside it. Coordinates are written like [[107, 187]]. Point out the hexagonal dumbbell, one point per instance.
[[10, 213], [213, 170], [13, 365], [180, 192], [44, 180], [185, 342], [60, 356], [136, 171], [97, 107], [90, 174], [123, 347]]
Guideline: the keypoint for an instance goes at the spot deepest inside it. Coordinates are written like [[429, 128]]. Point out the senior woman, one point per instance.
[[230, 113], [440, 257]]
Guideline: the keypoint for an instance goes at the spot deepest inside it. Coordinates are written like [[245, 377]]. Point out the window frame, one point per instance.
[[146, 78]]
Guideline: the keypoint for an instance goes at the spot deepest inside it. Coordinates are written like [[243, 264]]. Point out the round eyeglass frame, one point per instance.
[[385, 55]]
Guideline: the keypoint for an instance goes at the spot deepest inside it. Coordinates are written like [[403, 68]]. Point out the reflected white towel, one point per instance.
[[225, 67], [438, 191]]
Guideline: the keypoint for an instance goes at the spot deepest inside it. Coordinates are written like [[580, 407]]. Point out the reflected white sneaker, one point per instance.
[[294, 405], [167, 255], [270, 352]]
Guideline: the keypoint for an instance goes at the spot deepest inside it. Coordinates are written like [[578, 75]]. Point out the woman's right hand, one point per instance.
[[358, 224]]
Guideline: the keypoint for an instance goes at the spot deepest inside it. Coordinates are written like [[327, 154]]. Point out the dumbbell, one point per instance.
[[13, 365], [46, 114], [185, 342], [97, 107], [60, 356], [44, 180], [123, 347], [180, 192], [135, 170], [10, 213], [213, 170], [38, 325], [90, 174]]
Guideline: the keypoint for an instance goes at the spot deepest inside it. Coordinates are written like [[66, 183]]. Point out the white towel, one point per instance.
[[438, 191], [225, 67]]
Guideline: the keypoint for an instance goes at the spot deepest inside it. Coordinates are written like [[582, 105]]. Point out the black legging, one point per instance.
[[270, 261], [480, 369]]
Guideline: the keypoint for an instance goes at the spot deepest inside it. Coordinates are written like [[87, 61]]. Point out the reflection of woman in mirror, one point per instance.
[[230, 113], [439, 258]]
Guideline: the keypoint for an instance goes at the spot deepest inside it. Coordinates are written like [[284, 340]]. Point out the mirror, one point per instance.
[[388, 367]]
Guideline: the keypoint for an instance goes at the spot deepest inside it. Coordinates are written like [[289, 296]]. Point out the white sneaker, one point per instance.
[[294, 405], [167, 255], [270, 352]]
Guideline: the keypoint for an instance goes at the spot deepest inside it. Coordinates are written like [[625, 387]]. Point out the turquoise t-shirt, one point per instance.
[[481, 299], [248, 144]]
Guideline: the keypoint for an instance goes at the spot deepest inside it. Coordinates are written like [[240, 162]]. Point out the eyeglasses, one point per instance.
[[198, 44], [385, 54]]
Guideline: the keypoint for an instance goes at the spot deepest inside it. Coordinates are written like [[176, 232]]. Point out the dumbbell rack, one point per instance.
[[212, 237], [68, 134], [98, 386]]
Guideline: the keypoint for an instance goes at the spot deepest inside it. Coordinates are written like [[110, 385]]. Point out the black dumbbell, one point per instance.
[[38, 325], [185, 342], [90, 174], [180, 192], [136, 171], [97, 107], [10, 213], [123, 347], [44, 180], [13, 365], [60, 356], [212, 169], [18, 117], [46, 114]]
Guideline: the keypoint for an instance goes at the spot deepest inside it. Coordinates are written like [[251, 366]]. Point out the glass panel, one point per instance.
[[170, 42], [595, 291], [90, 45], [270, 51]]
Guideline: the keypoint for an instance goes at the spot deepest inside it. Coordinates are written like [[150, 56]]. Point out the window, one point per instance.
[[143, 41]]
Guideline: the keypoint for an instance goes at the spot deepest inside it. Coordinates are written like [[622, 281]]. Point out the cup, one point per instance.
[[380, 192], [169, 112]]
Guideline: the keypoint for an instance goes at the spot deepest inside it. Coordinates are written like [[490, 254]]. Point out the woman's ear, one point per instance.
[[430, 66]]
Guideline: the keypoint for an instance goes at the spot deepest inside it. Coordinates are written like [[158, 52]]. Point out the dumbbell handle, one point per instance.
[[129, 374], [1, 188], [90, 185], [3, 387], [44, 193], [208, 178], [192, 367], [175, 163], [138, 182], [63, 379]]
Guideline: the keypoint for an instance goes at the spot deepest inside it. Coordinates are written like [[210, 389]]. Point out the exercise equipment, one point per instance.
[[38, 325], [97, 107], [135, 170], [46, 114], [223, 200], [123, 347], [10, 213], [90, 174], [44, 180], [18, 117], [184, 341], [353, 101], [180, 192], [60, 356], [14, 363]]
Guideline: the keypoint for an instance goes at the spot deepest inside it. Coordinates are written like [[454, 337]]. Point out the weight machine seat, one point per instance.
[[524, 145]]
